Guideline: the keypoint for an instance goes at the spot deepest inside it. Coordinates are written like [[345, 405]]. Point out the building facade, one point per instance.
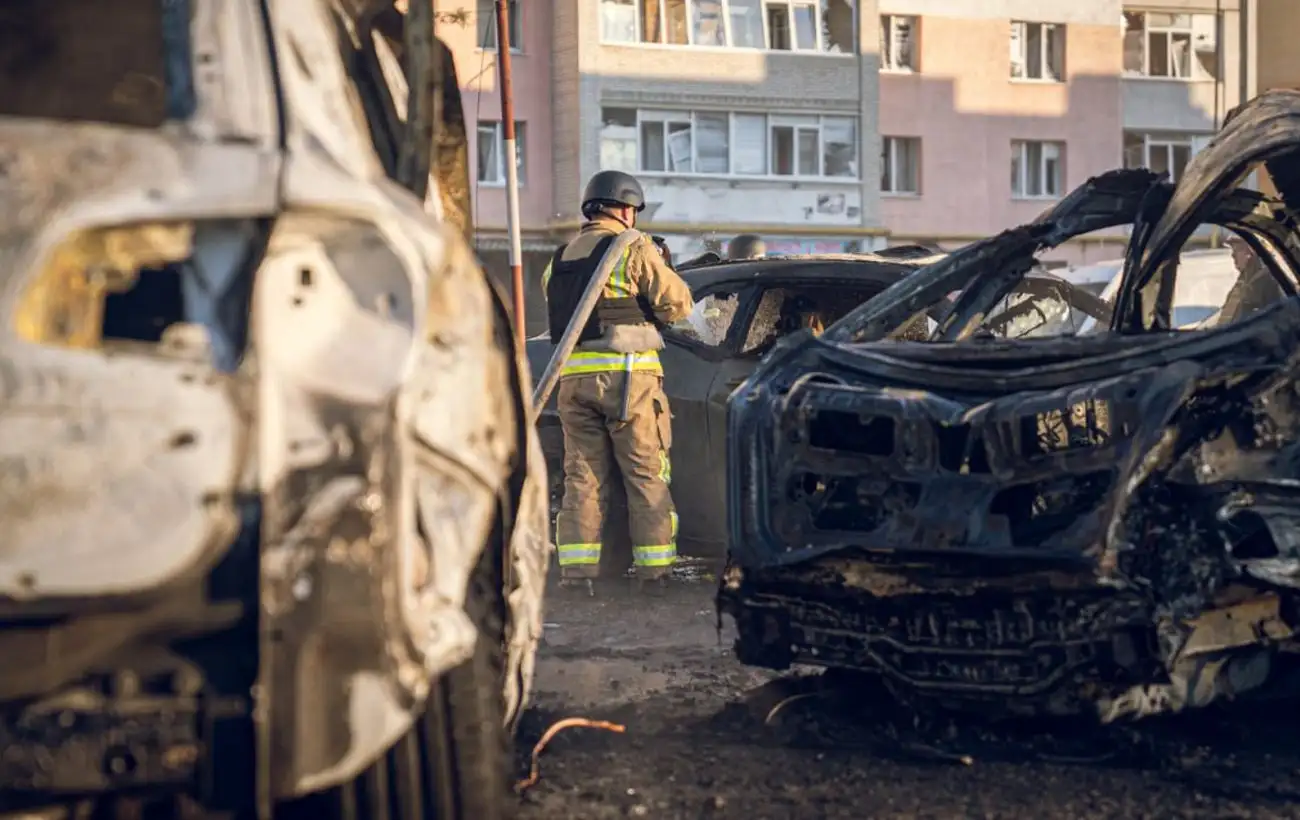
[[832, 125]]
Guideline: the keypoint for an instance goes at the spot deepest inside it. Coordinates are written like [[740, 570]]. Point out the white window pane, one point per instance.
[[1180, 55], [1018, 160], [886, 42], [903, 42], [839, 147], [618, 21], [808, 153], [706, 23], [679, 147], [746, 23], [1034, 167], [618, 140], [712, 143], [749, 153], [805, 28], [489, 161], [653, 147], [1054, 62]]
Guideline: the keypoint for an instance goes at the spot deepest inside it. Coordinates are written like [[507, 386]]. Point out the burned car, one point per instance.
[[1100, 524], [743, 309], [274, 519]]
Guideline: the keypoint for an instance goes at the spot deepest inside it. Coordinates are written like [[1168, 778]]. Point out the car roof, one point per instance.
[[837, 266]]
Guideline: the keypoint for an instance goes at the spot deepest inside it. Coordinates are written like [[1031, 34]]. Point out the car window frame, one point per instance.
[[790, 280], [729, 347]]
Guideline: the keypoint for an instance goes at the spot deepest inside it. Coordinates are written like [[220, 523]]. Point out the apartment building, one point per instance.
[[737, 115], [1054, 90]]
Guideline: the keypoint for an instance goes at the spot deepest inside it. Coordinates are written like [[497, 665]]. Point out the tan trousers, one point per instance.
[[600, 448]]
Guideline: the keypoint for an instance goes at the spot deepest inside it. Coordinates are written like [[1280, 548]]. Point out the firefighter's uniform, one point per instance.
[[611, 399]]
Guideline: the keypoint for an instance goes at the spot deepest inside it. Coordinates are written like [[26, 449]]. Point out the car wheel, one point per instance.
[[455, 762]]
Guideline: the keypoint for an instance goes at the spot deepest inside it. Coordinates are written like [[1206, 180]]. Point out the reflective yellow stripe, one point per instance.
[[659, 555], [665, 467], [619, 284], [583, 362], [578, 554], [546, 278]]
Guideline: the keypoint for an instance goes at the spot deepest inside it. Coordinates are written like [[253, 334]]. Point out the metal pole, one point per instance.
[[512, 169]]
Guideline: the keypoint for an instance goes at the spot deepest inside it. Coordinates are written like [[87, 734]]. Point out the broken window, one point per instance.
[[1161, 152], [796, 146], [1175, 46], [618, 21], [676, 31], [1037, 51], [491, 152], [785, 310], [707, 27], [900, 159], [487, 25], [1036, 169], [711, 320], [897, 42], [618, 140]]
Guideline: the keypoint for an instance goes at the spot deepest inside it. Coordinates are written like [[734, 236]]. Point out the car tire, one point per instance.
[[455, 762]]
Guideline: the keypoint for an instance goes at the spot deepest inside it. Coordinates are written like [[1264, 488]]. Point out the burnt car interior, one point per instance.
[[1027, 518]]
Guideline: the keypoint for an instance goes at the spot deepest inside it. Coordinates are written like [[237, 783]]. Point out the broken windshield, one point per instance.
[[121, 63]]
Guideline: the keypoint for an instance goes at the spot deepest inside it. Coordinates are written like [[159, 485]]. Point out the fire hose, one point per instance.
[[590, 296]]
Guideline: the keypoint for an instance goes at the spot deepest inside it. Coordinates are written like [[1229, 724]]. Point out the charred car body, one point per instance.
[[274, 522], [1104, 523]]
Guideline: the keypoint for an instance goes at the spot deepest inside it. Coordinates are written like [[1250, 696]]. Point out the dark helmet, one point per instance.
[[613, 188], [746, 246]]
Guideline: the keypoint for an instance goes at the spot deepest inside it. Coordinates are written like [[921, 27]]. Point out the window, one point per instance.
[[1036, 169], [491, 152], [900, 165], [719, 143], [710, 321], [1176, 46], [487, 25], [783, 25], [1037, 51], [897, 43], [1162, 153]]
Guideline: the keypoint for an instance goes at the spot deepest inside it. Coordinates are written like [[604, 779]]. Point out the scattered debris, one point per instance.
[[535, 771]]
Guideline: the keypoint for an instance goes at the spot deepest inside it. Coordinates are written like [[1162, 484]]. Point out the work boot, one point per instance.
[[652, 581], [577, 587]]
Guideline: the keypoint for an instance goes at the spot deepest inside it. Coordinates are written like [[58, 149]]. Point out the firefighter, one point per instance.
[[612, 405], [746, 246]]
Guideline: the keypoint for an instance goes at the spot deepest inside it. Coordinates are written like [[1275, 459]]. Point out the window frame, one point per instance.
[[889, 152], [724, 6], [516, 23], [1024, 164], [1044, 62], [1196, 74], [887, 32], [521, 146], [1168, 141], [771, 120]]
